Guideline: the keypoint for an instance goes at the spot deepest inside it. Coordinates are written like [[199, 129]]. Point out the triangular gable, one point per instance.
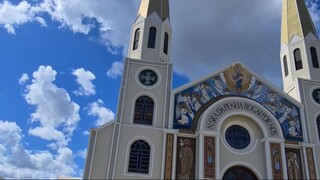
[[236, 80]]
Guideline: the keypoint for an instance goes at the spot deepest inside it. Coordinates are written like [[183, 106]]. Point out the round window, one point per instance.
[[316, 95], [237, 137], [148, 77]]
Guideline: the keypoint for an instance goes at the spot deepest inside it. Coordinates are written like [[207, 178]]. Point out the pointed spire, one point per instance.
[[161, 7], [296, 20]]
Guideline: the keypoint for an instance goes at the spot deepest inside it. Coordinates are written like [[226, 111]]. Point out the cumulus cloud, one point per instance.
[[104, 114], [314, 7], [217, 34], [116, 70], [15, 15], [23, 78], [80, 16], [57, 114], [84, 79], [18, 162]]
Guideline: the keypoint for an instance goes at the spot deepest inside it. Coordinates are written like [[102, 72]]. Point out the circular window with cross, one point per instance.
[[148, 77]]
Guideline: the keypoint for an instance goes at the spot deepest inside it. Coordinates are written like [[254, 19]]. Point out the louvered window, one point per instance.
[[297, 59]]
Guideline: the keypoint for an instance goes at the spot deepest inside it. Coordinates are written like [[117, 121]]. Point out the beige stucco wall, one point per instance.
[[252, 157], [101, 152], [132, 133]]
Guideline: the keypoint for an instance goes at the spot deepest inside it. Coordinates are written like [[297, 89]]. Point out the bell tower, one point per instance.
[[144, 98], [300, 46], [151, 32], [300, 52]]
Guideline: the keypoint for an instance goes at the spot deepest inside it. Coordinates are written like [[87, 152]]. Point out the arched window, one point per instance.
[[139, 157], [314, 57], [297, 59], [143, 112], [285, 66], [136, 39], [166, 43], [318, 126], [152, 37]]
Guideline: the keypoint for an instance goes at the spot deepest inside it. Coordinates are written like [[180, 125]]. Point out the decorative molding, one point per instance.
[[276, 159], [209, 157], [169, 157], [312, 170]]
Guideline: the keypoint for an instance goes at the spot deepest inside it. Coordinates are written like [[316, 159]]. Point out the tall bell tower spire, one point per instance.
[[151, 32], [300, 46]]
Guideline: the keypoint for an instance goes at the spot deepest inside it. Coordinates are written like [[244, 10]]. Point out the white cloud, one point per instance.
[[14, 15], [116, 70], [85, 133], [314, 7], [84, 79], [82, 153], [57, 114], [23, 79], [19, 163], [104, 114]]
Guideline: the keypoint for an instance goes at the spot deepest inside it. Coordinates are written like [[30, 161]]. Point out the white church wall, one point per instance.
[[251, 156], [101, 152], [154, 137]]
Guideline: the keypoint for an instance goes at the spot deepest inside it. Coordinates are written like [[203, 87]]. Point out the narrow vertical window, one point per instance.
[[166, 43], [314, 57], [139, 157], [152, 37], [297, 59], [285, 66], [136, 39], [318, 126], [143, 112]]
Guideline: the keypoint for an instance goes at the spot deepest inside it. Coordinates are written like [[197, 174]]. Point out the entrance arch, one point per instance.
[[239, 172]]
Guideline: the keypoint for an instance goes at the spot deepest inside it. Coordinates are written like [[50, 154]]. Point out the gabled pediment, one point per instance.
[[236, 80]]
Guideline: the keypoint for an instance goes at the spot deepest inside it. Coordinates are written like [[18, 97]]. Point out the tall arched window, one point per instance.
[[166, 43], [152, 37], [136, 39], [285, 66], [139, 157], [318, 126], [314, 57], [143, 112], [297, 59]]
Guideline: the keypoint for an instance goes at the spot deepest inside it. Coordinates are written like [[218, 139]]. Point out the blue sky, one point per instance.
[[61, 65]]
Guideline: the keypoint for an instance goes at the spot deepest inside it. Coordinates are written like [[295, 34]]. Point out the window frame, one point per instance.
[[136, 39], [152, 37], [314, 57], [143, 154], [144, 112], [285, 66], [297, 59]]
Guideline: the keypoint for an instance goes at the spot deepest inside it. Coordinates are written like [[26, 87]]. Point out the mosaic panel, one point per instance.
[[294, 168], [209, 157], [186, 153], [276, 161], [169, 156], [237, 81], [312, 170]]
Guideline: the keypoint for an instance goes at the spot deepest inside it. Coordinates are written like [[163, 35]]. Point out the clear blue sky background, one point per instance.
[[85, 44]]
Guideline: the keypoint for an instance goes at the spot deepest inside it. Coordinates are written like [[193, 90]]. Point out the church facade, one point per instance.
[[231, 124]]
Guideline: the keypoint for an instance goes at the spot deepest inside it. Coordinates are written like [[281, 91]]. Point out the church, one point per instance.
[[232, 124]]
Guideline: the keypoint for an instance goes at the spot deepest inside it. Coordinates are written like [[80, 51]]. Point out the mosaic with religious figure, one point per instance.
[[186, 158], [238, 81]]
